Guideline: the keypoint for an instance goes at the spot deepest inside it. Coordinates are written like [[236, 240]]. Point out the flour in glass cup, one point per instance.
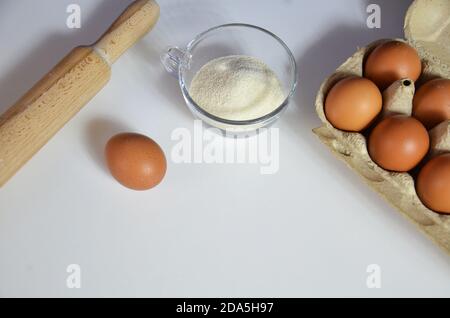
[[237, 88]]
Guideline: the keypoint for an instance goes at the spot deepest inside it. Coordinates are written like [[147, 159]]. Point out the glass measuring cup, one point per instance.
[[226, 40]]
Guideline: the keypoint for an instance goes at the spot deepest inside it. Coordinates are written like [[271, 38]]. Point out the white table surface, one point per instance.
[[208, 230]]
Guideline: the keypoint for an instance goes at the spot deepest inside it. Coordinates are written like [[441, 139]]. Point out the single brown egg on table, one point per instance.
[[392, 61], [136, 161], [398, 143], [433, 184], [431, 103], [353, 103]]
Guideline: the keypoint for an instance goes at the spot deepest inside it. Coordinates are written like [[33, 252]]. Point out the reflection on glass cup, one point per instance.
[[226, 40]]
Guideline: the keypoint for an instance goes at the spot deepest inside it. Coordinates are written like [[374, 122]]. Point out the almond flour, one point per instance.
[[237, 88]]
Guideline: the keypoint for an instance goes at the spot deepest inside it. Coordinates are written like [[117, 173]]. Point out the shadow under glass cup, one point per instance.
[[226, 40]]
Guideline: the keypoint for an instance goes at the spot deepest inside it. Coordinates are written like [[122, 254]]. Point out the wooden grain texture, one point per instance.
[[134, 23], [71, 84]]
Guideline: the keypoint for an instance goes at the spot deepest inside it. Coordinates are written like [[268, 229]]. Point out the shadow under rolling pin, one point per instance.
[[30, 123]]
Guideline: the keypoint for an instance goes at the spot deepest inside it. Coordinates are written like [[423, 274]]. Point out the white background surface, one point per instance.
[[208, 230]]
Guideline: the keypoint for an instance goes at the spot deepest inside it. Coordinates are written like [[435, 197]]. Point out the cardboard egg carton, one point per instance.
[[427, 28]]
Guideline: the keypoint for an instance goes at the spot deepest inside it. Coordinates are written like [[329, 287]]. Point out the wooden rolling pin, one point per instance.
[[72, 83]]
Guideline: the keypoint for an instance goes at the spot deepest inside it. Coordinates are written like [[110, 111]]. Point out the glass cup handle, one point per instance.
[[173, 58]]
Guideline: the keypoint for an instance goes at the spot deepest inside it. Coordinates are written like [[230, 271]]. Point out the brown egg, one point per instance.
[[353, 103], [433, 184], [398, 143], [392, 61], [136, 161], [432, 103]]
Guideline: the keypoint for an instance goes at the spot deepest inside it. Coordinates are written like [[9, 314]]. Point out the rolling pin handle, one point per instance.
[[132, 25], [28, 124]]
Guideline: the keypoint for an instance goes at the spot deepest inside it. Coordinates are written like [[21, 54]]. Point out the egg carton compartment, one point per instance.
[[427, 28]]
